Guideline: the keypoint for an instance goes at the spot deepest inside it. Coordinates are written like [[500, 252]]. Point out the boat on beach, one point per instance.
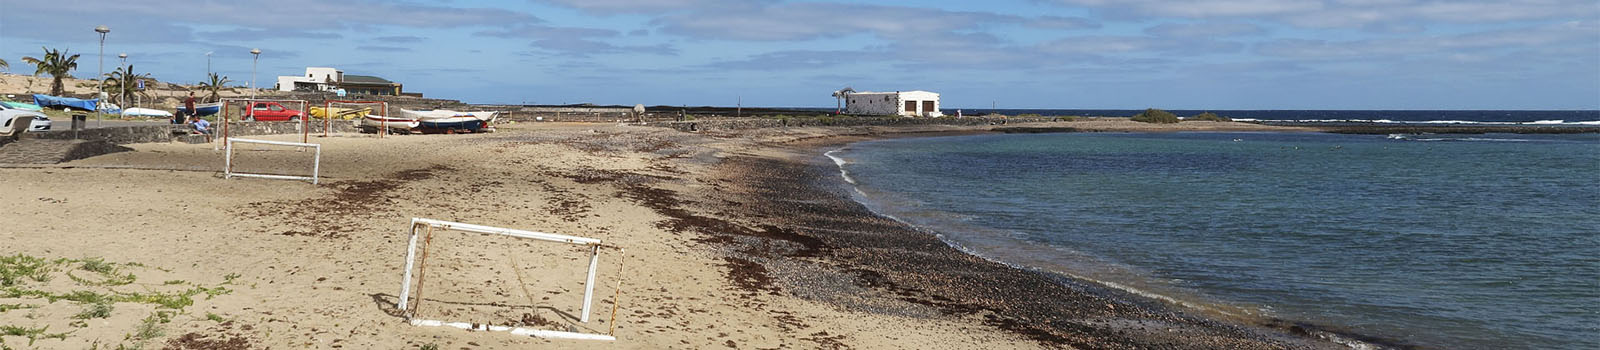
[[205, 109], [340, 113], [443, 120], [146, 112], [378, 122], [22, 106]]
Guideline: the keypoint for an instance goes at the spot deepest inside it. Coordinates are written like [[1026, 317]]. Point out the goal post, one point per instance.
[[316, 160], [240, 107], [423, 229], [357, 110]]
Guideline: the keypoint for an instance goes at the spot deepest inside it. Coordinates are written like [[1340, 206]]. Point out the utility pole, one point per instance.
[[99, 117], [253, 62]]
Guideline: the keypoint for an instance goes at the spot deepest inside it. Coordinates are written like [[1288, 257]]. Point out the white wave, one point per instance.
[[1545, 122], [840, 162], [1449, 122], [1591, 122]]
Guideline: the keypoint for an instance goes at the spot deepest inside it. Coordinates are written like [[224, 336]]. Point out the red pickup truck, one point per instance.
[[271, 111]]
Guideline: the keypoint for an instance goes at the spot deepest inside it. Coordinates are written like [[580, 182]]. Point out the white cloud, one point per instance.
[[1349, 13], [1204, 29]]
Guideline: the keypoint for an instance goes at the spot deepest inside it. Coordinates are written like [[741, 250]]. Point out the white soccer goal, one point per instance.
[[316, 160], [242, 108], [355, 111], [424, 228]]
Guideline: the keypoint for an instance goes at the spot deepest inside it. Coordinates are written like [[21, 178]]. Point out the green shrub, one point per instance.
[[1029, 115], [1157, 116], [1209, 117]]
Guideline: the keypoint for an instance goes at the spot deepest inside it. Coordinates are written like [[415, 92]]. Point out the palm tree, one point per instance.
[[55, 63], [4, 64], [124, 82], [215, 86]]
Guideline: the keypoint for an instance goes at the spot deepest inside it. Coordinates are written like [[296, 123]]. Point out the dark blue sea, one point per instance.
[[1569, 117], [1444, 241]]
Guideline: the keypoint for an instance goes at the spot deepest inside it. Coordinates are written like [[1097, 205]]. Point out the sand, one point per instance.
[[720, 251]]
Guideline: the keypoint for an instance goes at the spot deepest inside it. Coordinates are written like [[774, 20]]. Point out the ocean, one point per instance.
[[1445, 241], [1461, 117]]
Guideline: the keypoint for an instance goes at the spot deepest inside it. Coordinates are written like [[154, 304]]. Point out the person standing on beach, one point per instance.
[[188, 109]]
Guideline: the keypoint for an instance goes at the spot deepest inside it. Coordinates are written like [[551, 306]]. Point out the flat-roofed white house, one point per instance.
[[316, 79], [905, 103]]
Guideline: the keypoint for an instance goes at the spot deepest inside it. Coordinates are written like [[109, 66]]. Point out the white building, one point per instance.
[[316, 79], [906, 103]]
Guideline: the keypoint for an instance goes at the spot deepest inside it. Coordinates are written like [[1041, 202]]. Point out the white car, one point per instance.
[[40, 121]]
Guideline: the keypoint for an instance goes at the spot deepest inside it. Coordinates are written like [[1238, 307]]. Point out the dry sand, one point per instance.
[[290, 265]]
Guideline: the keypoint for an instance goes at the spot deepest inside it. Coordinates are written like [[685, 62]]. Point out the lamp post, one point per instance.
[[208, 64], [257, 59], [99, 117], [124, 91]]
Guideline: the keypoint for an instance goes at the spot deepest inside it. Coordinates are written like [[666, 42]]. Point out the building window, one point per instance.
[[911, 106], [927, 106]]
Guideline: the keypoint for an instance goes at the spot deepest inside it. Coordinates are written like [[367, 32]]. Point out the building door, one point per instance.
[[927, 107], [911, 106]]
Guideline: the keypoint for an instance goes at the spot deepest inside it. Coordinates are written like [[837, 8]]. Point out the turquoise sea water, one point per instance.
[[1480, 241]]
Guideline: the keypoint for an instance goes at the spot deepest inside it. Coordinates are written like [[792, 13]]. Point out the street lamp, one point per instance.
[[208, 64], [124, 91], [257, 53], [99, 117]]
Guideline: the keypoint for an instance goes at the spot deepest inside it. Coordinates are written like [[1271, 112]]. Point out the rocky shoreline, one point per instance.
[[813, 241]]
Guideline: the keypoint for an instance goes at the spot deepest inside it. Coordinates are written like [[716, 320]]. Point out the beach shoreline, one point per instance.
[[1015, 312], [736, 239]]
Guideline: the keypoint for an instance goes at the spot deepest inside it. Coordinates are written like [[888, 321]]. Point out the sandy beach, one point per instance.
[[733, 240]]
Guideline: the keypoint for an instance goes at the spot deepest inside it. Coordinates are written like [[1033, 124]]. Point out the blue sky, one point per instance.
[[1190, 54]]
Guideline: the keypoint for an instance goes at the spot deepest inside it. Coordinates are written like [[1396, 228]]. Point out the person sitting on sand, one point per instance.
[[201, 126]]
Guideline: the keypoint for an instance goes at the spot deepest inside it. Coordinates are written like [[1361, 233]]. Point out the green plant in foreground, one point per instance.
[[98, 265], [9, 307], [17, 268], [33, 334], [430, 346], [1156, 116], [94, 310], [214, 317]]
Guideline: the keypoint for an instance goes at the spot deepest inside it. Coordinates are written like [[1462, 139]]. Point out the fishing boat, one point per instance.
[[22, 106], [378, 122], [204, 109], [145, 112], [341, 113], [448, 120]]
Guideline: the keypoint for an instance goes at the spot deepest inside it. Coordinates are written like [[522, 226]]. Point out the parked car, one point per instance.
[[40, 121], [271, 112]]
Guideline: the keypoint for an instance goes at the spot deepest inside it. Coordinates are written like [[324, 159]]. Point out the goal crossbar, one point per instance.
[[588, 288], [316, 161]]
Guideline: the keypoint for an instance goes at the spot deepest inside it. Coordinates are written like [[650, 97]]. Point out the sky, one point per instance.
[[1069, 54]]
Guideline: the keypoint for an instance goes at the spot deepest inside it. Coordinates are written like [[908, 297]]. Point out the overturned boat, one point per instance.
[[377, 123], [443, 120]]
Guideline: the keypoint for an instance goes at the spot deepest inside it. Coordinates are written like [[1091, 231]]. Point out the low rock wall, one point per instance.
[[758, 123], [166, 132]]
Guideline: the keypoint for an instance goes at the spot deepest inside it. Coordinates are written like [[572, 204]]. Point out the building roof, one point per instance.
[[364, 79], [893, 93]]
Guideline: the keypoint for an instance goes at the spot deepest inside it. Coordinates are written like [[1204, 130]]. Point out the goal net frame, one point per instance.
[[328, 114], [227, 115], [316, 160], [408, 308]]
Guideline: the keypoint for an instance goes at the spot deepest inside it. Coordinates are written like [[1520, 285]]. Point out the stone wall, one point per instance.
[[168, 132], [757, 123]]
